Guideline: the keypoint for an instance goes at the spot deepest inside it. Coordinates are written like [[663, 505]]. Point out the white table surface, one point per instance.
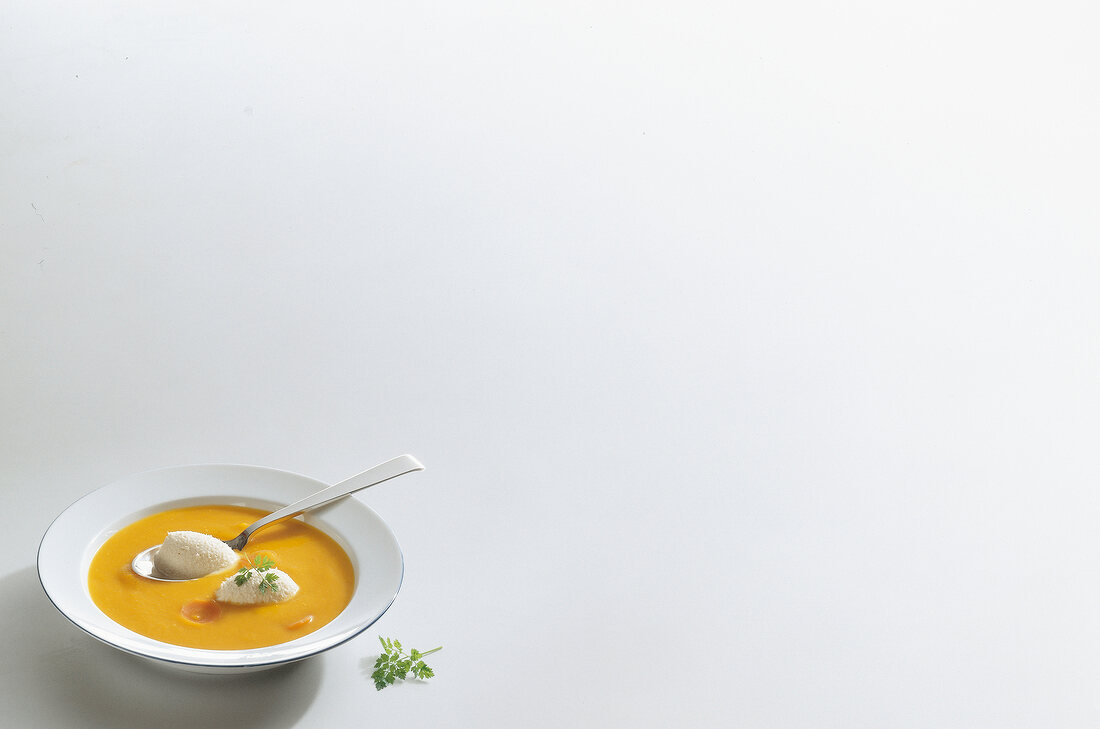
[[752, 348]]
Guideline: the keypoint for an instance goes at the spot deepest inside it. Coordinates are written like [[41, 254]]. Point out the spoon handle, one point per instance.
[[382, 472]]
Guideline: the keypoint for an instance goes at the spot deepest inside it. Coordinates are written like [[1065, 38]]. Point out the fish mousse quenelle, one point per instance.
[[290, 579], [188, 555]]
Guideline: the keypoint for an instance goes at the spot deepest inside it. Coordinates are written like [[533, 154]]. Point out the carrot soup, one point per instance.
[[187, 613]]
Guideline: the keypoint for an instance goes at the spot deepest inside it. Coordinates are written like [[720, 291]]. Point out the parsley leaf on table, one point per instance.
[[395, 664]]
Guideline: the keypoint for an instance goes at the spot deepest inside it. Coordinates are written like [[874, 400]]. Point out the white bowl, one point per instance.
[[74, 537]]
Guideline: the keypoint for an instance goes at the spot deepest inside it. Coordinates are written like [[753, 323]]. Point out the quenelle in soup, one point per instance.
[[190, 614]]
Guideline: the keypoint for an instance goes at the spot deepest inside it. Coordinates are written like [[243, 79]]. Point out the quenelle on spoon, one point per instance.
[[144, 564]]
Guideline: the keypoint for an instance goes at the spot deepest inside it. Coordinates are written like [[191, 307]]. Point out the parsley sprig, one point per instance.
[[263, 564], [395, 663]]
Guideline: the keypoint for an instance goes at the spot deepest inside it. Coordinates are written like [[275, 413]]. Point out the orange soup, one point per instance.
[[185, 613]]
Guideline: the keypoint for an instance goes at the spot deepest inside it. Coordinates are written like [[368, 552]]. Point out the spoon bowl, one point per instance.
[[144, 563]]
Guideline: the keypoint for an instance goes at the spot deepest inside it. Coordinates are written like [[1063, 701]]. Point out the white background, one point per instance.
[[752, 348]]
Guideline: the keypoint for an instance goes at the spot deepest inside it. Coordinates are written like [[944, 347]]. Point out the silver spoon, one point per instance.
[[143, 562]]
